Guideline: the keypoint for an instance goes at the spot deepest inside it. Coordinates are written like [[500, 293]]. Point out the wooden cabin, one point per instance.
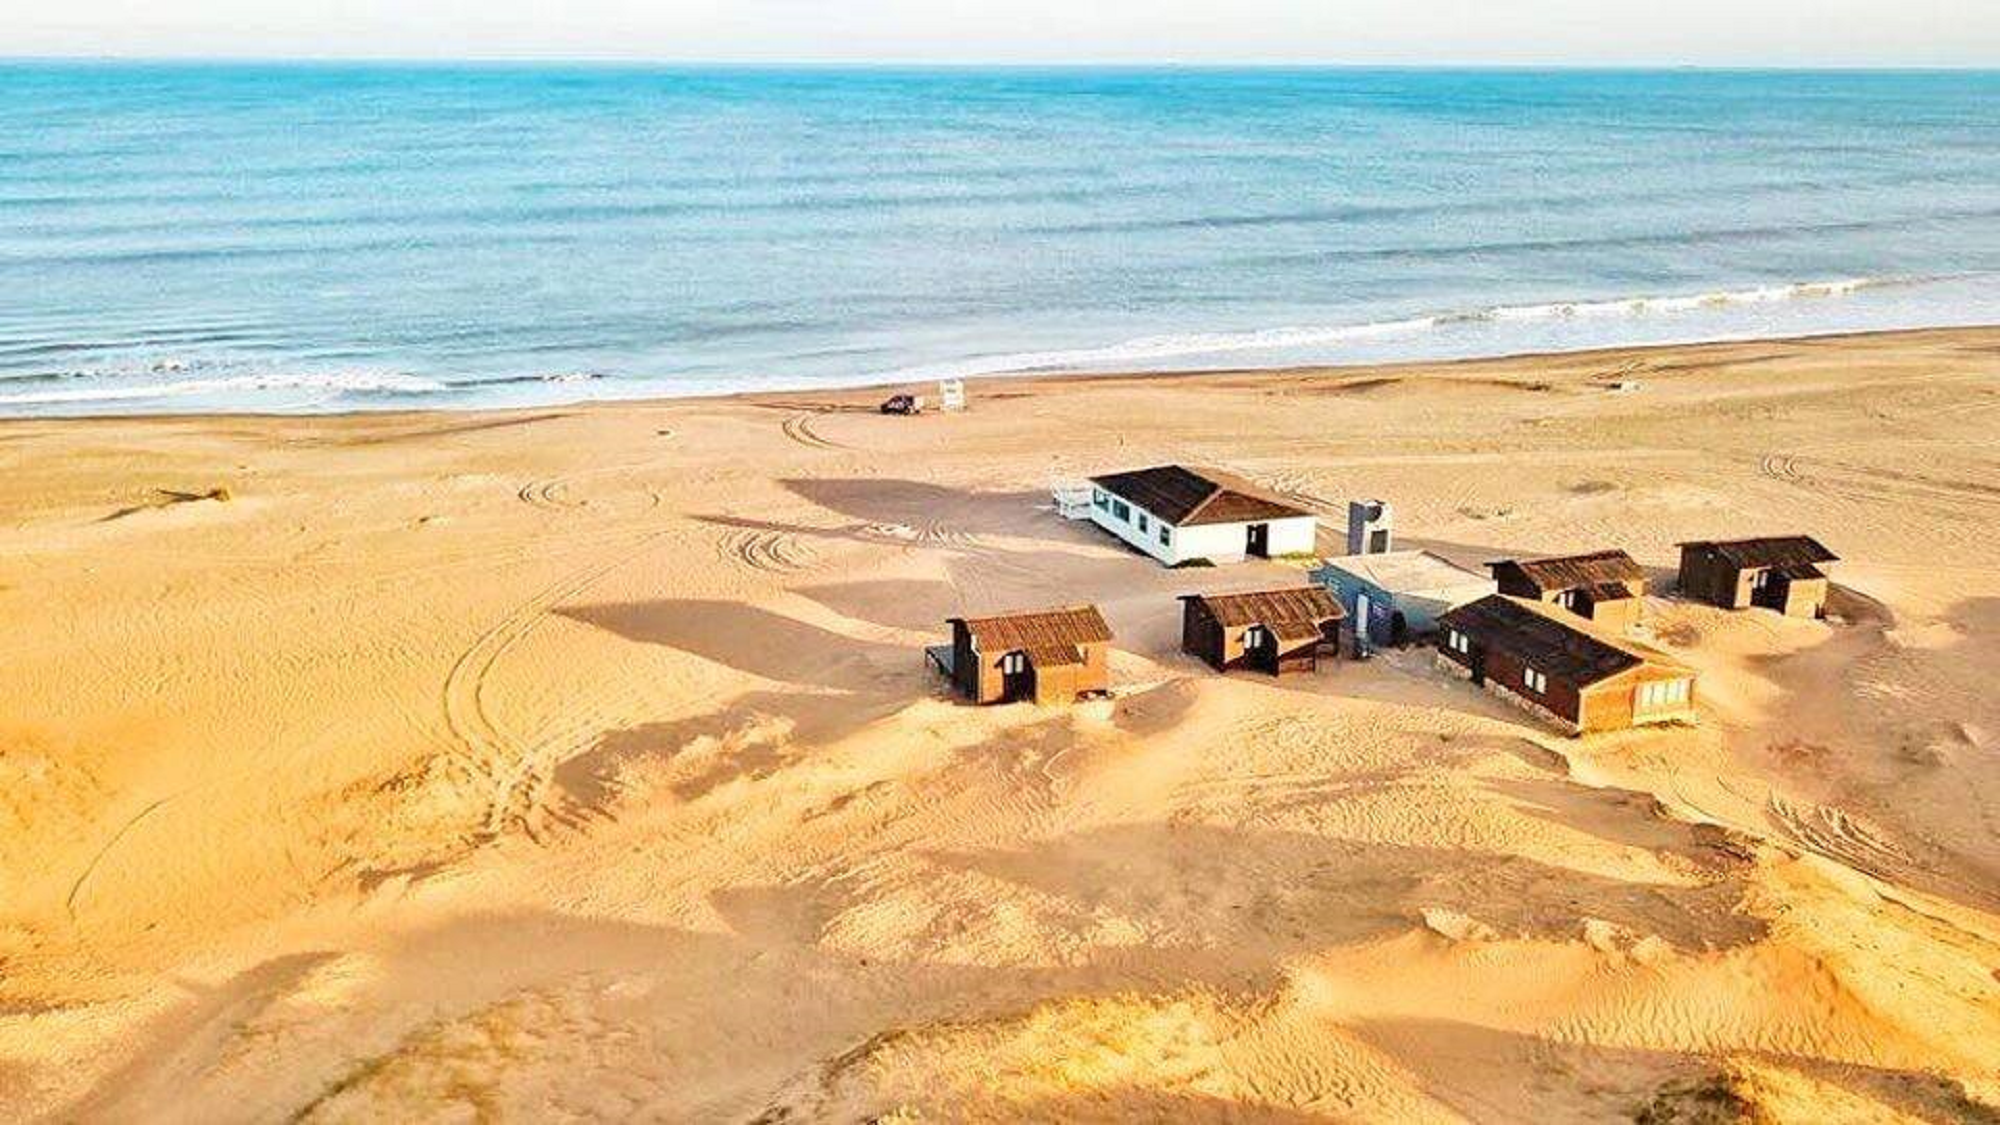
[[1050, 656], [1275, 631], [1180, 515], [1562, 669], [1783, 573], [1607, 587]]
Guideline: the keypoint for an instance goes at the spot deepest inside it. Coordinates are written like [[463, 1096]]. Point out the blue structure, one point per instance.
[[1397, 597]]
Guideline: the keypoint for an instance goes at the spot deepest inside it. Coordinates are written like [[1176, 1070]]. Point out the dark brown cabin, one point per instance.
[[1050, 656], [1607, 587], [1561, 669], [1274, 631], [1784, 573]]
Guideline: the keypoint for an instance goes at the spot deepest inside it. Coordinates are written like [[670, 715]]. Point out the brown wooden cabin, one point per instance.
[[1607, 587], [1783, 573], [1561, 669], [1050, 656], [1274, 631]]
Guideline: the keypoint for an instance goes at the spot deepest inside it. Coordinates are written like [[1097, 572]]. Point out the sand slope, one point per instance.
[[582, 764]]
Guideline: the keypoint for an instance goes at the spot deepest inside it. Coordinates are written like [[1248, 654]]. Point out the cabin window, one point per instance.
[[1458, 642], [1142, 522], [1098, 499], [1014, 663], [1166, 536], [1760, 580], [1665, 693], [1121, 509], [1255, 636], [1535, 681], [1566, 599]]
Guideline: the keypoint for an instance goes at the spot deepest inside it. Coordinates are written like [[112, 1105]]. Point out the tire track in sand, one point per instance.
[[799, 428], [488, 756], [96, 861], [550, 493], [772, 552]]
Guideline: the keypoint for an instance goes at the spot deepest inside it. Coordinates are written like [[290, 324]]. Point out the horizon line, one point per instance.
[[809, 63]]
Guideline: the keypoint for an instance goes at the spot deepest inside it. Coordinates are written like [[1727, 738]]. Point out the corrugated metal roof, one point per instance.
[[1558, 648], [1187, 497], [1054, 629], [1776, 550], [1055, 656], [1608, 592], [1571, 571], [1310, 605], [1409, 572]]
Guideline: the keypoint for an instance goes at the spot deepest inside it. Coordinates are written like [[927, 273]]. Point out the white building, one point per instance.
[[1178, 515]]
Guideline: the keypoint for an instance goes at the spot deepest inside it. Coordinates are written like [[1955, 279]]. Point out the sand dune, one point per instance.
[[582, 764]]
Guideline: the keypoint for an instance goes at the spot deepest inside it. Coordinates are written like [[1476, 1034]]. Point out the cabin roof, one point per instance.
[[1607, 591], [1777, 550], [1275, 609], [1598, 568], [1045, 634], [1410, 572], [1190, 497], [1055, 656], [1557, 648]]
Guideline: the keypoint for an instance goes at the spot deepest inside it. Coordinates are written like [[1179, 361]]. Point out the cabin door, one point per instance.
[[1769, 590], [1017, 678], [1262, 649], [1257, 540]]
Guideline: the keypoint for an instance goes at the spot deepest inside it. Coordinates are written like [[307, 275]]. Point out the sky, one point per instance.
[[1500, 32]]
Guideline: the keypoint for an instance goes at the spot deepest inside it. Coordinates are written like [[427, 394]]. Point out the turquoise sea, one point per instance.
[[332, 237]]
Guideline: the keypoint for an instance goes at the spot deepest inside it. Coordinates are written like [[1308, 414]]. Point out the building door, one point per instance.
[[1257, 540], [1017, 678], [1262, 648], [1769, 590]]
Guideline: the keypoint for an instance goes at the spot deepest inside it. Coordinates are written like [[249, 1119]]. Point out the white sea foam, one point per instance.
[[327, 384], [1147, 349]]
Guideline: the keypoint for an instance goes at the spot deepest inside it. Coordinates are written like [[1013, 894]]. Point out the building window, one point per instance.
[[1098, 499], [1255, 636], [1760, 580], [1166, 536], [1566, 599], [1535, 681], [1121, 509], [1142, 522], [1458, 642], [1014, 663], [1665, 693]]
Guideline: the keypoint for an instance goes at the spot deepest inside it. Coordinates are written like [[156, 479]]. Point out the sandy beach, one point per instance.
[[583, 763]]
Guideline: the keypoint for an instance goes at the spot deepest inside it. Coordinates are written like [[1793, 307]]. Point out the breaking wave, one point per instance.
[[1148, 349], [330, 385]]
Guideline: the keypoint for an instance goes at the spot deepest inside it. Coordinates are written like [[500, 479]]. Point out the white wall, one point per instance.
[[1299, 536], [1148, 540], [1219, 542]]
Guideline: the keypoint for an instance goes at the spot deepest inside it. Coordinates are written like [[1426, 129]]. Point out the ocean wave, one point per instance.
[[1147, 349], [514, 380], [355, 382]]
